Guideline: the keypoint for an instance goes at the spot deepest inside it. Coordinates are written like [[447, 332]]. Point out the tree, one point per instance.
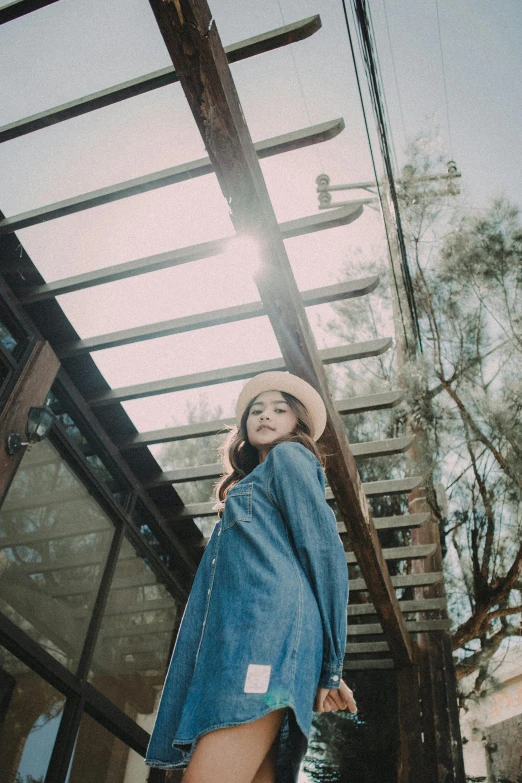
[[465, 392]]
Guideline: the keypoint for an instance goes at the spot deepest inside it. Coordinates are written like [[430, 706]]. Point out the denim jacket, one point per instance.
[[265, 623]]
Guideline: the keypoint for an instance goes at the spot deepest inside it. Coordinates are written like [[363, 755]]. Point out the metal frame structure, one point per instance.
[[201, 65]]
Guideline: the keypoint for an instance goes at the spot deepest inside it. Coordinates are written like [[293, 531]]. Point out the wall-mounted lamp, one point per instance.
[[39, 423]]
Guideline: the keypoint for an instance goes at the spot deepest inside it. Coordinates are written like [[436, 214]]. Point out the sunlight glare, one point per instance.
[[243, 255]]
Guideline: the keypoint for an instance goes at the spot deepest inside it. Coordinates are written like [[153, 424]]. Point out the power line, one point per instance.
[[367, 50], [444, 80], [395, 72], [374, 166], [303, 96]]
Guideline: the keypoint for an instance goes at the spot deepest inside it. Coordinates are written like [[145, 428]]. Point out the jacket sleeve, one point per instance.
[[297, 487]]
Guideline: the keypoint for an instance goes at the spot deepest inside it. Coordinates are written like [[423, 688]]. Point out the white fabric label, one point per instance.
[[257, 678]]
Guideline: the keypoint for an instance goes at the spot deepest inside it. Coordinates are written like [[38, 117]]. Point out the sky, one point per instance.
[[73, 48]]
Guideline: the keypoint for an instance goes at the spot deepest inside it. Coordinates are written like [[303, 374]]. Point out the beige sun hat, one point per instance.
[[291, 384]]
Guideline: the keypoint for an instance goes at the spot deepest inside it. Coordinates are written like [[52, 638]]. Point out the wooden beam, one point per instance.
[[18, 8], [183, 255], [192, 40], [343, 353], [160, 179], [316, 296], [370, 488], [215, 470], [369, 402], [401, 521], [413, 626], [377, 663], [422, 605], [281, 36], [402, 580], [31, 389], [399, 553]]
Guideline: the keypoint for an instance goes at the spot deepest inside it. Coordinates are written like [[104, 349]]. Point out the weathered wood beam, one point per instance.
[[403, 580], [370, 402], [192, 40], [160, 179], [281, 36], [399, 553], [413, 626], [370, 489], [422, 605], [183, 255], [343, 353], [31, 388], [18, 8], [331, 293], [377, 663], [400, 521], [215, 470]]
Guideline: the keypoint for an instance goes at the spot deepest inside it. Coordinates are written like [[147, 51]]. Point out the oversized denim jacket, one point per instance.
[[265, 623]]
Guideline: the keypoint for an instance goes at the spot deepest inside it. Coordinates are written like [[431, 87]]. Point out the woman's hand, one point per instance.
[[327, 700]]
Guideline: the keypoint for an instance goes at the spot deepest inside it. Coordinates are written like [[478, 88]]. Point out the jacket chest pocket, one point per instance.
[[238, 506]]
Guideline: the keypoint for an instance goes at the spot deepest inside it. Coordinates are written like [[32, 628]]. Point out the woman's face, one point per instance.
[[270, 418]]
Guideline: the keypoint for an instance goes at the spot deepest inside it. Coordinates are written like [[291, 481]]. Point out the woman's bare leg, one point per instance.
[[235, 754], [266, 772]]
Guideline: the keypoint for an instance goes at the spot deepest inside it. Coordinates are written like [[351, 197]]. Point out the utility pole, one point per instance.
[[432, 682]]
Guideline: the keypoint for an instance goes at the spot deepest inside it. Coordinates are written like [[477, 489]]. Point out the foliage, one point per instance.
[[464, 394]]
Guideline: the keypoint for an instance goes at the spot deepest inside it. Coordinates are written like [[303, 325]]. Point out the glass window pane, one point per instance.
[[100, 757], [132, 650], [54, 542], [30, 713]]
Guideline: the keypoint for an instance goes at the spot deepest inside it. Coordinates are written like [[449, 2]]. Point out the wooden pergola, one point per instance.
[[201, 65]]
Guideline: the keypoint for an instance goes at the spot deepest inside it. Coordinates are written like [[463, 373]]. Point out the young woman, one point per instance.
[[261, 643]]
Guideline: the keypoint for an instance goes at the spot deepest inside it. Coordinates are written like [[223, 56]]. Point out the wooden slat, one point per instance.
[[342, 353], [160, 179], [291, 228], [331, 293], [377, 663], [403, 580], [370, 488], [422, 605], [215, 470], [296, 31], [370, 402], [366, 647], [192, 40], [400, 553], [18, 8], [413, 626], [400, 521]]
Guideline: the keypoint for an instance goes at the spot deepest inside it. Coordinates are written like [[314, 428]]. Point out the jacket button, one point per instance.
[[335, 677], [213, 561]]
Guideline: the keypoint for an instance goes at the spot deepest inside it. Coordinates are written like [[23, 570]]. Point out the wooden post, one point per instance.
[[31, 389]]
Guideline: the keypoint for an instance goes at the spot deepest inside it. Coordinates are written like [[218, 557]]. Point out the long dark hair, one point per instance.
[[239, 458]]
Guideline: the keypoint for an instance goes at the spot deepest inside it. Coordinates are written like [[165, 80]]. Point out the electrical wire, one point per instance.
[[363, 29], [444, 80], [303, 96], [395, 72]]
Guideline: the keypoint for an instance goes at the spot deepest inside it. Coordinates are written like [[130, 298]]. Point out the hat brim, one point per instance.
[[291, 384]]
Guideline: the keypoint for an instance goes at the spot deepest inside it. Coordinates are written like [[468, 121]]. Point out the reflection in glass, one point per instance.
[[99, 757], [7, 339], [30, 713], [54, 542], [132, 651]]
